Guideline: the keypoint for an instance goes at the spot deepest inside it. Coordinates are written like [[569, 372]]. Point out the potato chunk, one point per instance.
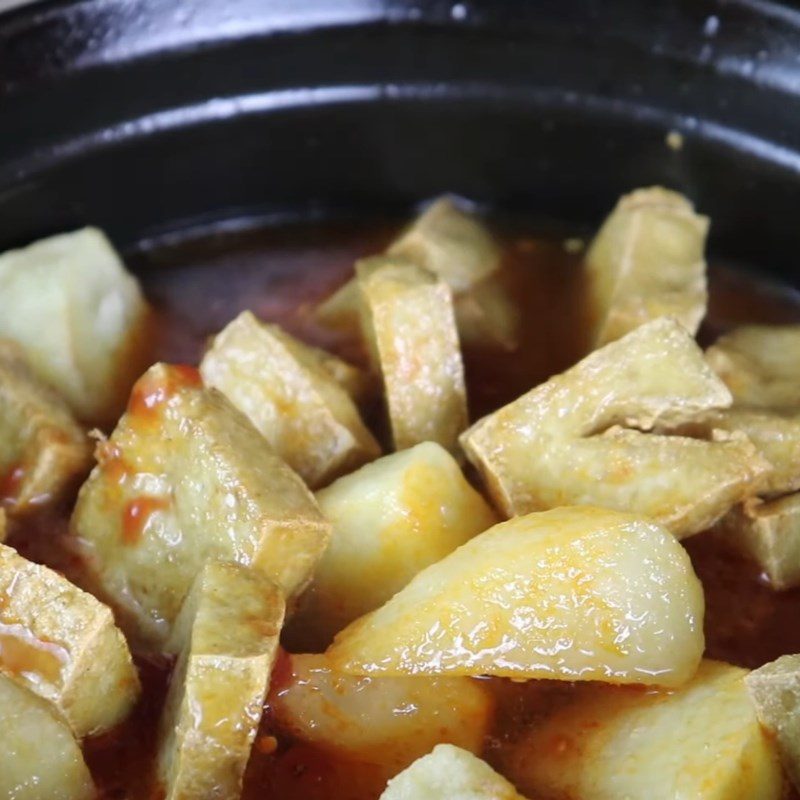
[[227, 633], [562, 442], [294, 402], [39, 759], [450, 773], [646, 262], [43, 451], [701, 741], [78, 315], [62, 644], [570, 594], [390, 519], [409, 321], [186, 477]]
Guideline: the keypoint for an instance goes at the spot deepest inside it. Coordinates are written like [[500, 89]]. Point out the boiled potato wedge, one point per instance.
[[293, 401], [39, 759], [701, 741], [43, 451], [581, 438], [563, 594], [391, 519], [450, 773], [79, 316], [227, 633], [62, 644], [647, 261], [186, 477], [409, 321], [775, 692]]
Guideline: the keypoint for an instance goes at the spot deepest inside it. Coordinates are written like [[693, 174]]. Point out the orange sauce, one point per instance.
[[11, 483], [136, 515], [22, 653], [152, 391]]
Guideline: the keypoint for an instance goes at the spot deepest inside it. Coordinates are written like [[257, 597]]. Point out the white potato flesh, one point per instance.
[[62, 644], [450, 773], [391, 519], [39, 759], [647, 261], [701, 741], [574, 594], [80, 317], [184, 478], [308, 418], [582, 438], [409, 322]]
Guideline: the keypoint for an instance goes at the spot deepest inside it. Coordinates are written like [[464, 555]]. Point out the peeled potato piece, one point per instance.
[[390, 519], [645, 262], [450, 773], [293, 401], [79, 316], [227, 634], [572, 594], [701, 741], [39, 759], [564, 441], [409, 321], [62, 644], [186, 477]]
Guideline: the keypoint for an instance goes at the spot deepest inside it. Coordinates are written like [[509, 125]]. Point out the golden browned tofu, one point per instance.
[[700, 741], [227, 634], [184, 478], [582, 438], [573, 594], [775, 692], [62, 644], [390, 519], [647, 261], [409, 322], [43, 451], [290, 397], [79, 316], [39, 759]]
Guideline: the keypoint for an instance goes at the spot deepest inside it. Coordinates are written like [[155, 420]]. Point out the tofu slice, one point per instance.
[[227, 634], [409, 321], [43, 451], [647, 261], [79, 316], [775, 692], [701, 741], [450, 773], [575, 594], [62, 644], [290, 397], [40, 759], [583, 437], [486, 315], [185, 478], [391, 519]]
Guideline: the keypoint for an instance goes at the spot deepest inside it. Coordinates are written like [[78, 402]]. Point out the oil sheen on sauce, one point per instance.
[[280, 274]]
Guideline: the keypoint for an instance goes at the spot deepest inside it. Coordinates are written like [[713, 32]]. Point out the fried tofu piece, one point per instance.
[[293, 401], [582, 438], [486, 314], [227, 634], [391, 519], [574, 594], [409, 321], [40, 759], [701, 741], [450, 773], [760, 364], [184, 478], [43, 451], [775, 692], [79, 316], [61, 643], [647, 261]]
